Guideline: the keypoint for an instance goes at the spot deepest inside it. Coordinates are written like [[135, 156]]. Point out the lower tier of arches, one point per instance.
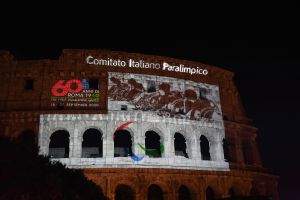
[[173, 184]]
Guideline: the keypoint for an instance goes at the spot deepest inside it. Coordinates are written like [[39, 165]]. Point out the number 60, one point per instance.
[[60, 89]]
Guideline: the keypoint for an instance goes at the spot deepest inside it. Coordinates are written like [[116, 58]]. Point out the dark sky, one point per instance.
[[268, 78]]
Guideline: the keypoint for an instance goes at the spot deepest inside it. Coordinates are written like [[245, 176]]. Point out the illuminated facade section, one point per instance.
[[181, 113], [165, 133]]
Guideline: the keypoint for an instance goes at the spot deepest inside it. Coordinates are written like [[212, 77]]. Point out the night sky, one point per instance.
[[268, 80]]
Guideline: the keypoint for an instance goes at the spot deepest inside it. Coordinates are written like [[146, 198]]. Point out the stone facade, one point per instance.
[[77, 124], [24, 109]]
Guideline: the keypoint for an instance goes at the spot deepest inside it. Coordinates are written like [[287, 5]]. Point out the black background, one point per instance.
[[267, 77]]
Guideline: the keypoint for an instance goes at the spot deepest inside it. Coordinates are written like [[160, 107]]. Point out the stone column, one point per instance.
[[71, 146], [109, 139], [43, 138], [104, 141], [216, 149], [199, 148], [137, 137], [77, 141], [220, 150], [195, 151], [44, 148], [141, 140], [173, 192], [169, 145], [162, 142], [42, 145]]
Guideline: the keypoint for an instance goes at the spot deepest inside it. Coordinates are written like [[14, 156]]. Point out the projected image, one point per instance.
[[75, 93], [122, 148], [169, 97]]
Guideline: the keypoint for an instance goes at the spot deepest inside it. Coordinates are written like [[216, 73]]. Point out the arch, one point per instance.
[[50, 132], [159, 129], [184, 133], [226, 150], [180, 145], [232, 192], [152, 143], [124, 192], [207, 132], [92, 144], [254, 192], [238, 188], [155, 192], [59, 144], [122, 143], [184, 193], [209, 193], [205, 148], [86, 128]]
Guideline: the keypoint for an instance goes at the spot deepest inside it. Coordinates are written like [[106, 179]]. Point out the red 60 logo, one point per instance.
[[61, 88]]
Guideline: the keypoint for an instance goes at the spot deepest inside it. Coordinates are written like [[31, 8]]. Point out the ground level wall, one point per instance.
[[243, 183]]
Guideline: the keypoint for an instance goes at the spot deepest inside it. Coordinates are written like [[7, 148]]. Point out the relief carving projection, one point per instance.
[[165, 96]]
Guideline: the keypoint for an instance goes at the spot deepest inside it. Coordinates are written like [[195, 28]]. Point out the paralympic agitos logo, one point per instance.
[[147, 151]]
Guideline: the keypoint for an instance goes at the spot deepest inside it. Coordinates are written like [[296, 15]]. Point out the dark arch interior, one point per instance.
[[210, 194], [155, 193], [204, 144], [226, 150], [122, 144], [254, 192], [231, 192], [124, 192], [180, 146], [184, 193], [59, 144], [92, 144], [152, 142]]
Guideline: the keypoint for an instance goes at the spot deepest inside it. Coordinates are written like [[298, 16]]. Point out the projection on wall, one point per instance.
[[165, 96], [75, 93]]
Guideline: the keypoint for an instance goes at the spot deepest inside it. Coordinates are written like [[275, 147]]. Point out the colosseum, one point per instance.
[[140, 126]]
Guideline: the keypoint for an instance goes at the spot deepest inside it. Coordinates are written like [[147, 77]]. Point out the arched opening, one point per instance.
[[210, 195], [254, 192], [231, 192], [92, 144], [226, 150], [180, 145], [59, 144], [204, 146], [122, 144], [124, 192], [153, 146], [155, 193], [184, 193]]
